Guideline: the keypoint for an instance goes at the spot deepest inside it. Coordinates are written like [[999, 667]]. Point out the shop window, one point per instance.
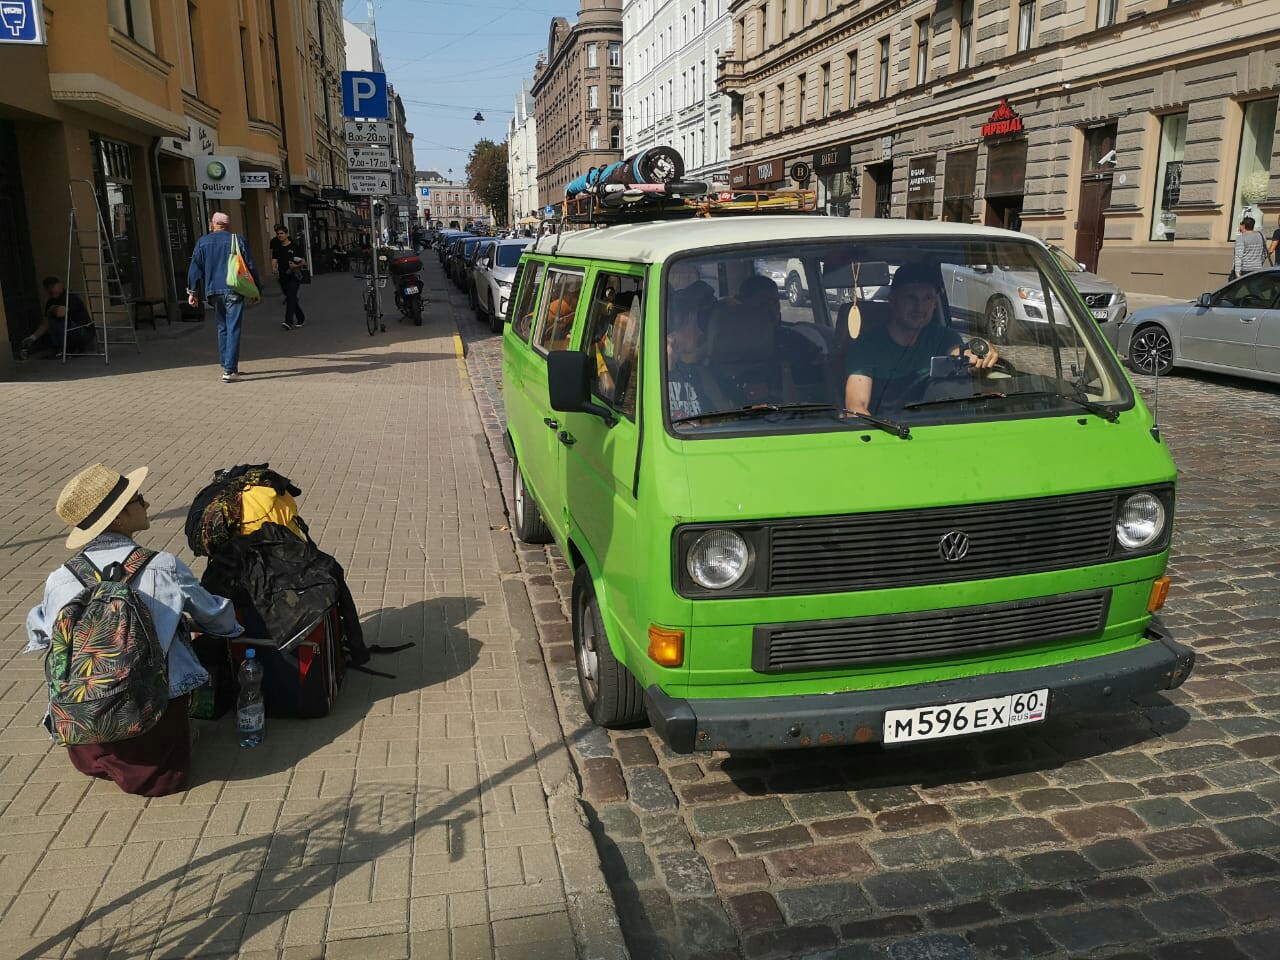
[[113, 181], [921, 178], [838, 189], [958, 185], [1026, 23], [1173, 144], [1253, 176], [613, 336]]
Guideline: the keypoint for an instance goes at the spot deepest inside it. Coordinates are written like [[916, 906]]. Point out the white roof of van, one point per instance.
[[654, 241]]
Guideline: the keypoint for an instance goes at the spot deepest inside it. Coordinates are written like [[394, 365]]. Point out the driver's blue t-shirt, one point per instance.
[[893, 367]]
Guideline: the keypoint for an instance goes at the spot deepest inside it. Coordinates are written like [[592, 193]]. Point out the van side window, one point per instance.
[[521, 313], [613, 339], [555, 319]]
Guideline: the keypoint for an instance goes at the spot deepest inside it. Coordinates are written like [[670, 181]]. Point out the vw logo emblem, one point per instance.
[[953, 546]]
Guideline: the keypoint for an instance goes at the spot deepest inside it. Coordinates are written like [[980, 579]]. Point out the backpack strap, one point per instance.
[[135, 561], [84, 570]]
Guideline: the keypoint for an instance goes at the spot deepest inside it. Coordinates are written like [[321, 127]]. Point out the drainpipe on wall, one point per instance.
[[171, 307]]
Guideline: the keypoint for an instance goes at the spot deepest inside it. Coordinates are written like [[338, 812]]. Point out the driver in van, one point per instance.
[[884, 363]]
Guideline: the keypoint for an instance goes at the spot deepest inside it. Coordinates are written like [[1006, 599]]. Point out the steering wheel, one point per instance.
[[980, 348]]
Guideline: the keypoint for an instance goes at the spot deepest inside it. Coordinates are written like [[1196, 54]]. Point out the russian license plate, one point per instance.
[[959, 719], [410, 289], [1099, 314]]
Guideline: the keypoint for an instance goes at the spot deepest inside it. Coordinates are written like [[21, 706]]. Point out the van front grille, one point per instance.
[[904, 548], [929, 634]]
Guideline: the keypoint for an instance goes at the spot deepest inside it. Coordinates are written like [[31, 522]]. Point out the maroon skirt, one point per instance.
[[155, 764]]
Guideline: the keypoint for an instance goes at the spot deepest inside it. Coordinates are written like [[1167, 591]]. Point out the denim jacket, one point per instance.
[[209, 263], [166, 585]]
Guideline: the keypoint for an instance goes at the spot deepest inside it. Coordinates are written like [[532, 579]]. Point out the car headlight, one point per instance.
[[1141, 521], [718, 559], [1119, 300], [504, 283], [1034, 294]]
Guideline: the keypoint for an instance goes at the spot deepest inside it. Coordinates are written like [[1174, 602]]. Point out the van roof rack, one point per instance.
[[645, 202]]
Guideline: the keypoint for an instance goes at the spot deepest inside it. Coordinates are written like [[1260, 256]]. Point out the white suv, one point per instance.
[[491, 280]]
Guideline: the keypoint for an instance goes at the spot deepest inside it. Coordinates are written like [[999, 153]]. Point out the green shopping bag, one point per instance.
[[239, 278]]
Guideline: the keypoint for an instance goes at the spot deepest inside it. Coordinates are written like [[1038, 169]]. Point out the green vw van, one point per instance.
[[872, 515]]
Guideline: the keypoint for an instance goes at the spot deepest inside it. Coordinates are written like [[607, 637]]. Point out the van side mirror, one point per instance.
[[1206, 300], [569, 384]]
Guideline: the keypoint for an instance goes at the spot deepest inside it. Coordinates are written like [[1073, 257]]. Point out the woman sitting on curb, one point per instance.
[[104, 511]]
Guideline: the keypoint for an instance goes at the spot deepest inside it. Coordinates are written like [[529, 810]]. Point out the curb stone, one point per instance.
[[592, 914]]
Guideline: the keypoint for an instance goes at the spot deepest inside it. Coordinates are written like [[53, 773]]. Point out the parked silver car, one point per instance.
[[1009, 297], [1235, 329], [492, 278]]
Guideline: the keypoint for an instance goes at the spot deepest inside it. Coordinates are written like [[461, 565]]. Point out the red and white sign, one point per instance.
[[1004, 121]]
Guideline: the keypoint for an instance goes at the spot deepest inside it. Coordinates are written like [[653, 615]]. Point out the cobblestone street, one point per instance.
[[1150, 833]]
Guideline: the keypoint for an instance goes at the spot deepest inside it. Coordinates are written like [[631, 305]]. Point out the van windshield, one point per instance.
[[800, 337]]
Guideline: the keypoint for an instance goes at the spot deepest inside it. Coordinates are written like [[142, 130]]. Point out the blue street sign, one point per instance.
[[364, 95], [21, 21], [426, 191]]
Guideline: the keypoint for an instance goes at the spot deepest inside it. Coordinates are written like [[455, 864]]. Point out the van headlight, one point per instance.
[[718, 559], [1141, 521]]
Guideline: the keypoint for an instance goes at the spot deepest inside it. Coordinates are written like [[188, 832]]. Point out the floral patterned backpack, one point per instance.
[[107, 674]]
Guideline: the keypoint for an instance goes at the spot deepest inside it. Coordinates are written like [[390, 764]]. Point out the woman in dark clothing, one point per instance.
[[289, 261]]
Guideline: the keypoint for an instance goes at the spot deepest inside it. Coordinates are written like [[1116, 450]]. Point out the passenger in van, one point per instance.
[[691, 390], [743, 347], [685, 282], [884, 363], [614, 348], [560, 314]]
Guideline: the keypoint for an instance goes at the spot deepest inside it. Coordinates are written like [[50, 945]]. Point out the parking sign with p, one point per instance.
[[364, 95]]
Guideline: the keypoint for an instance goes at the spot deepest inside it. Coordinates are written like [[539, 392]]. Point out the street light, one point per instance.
[[479, 117]]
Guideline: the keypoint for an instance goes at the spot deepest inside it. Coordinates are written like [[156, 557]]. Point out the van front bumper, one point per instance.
[[772, 723]]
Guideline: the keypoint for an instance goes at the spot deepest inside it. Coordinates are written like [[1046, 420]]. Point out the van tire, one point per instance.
[[530, 527], [610, 694]]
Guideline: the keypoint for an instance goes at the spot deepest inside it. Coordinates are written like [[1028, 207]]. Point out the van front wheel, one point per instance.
[[530, 527], [610, 694]]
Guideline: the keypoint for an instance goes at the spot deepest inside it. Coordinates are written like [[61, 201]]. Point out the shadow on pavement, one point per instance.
[[443, 651]]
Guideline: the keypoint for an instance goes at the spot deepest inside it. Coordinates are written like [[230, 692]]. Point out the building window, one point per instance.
[[851, 80], [922, 50], [615, 97], [964, 42], [593, 97], [1107, 12], [826, 90], [591, 56], [782, 99], [133, 18], [782, 20], [884, 67], [802, 96], [615, 139], [593, 140], [1173, 144], [615, 54], [760, 116], [958, 185], [1026, 23], [740, 38], [1257, 138], [192, 26]]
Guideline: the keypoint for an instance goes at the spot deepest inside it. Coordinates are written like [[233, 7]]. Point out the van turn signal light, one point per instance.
[[666, 646], [1159, 593]]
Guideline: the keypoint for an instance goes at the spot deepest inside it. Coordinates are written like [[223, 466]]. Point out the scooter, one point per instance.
[[408, 286]]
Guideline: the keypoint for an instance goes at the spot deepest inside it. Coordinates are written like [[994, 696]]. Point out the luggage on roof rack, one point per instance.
[[636, 203]]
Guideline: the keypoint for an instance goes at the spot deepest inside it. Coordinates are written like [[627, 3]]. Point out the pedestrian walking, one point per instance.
[[289, 266], [1251, 249], [1273, 249], [133, 728], [209, 270]]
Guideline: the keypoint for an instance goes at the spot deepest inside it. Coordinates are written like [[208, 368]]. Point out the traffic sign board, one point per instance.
[[21, 21], [369, 159], [369, 184], [364, 94], [367, 133]]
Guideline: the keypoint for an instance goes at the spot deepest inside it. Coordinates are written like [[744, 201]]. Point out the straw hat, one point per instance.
[[93, 498]]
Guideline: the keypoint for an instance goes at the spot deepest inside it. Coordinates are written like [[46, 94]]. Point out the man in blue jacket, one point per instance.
[[209, 265]]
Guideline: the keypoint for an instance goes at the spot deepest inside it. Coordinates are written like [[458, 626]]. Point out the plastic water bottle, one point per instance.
[[250, 714]]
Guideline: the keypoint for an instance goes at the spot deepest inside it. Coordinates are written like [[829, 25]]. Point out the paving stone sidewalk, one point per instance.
[[434, 814], [1154, 832]]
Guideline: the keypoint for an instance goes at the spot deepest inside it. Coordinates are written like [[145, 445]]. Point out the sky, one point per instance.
[[449, 58]]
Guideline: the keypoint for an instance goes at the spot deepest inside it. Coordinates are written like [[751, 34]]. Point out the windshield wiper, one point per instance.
[[1095, 408], [888, 426]]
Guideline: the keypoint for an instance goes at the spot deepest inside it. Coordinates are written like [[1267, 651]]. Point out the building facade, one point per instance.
[[669, 51], [577, 96], [1133, 133], [449, 202], [522, 160], [121, 105]]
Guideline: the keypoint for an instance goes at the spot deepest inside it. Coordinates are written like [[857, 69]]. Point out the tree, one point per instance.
[[487, 176]]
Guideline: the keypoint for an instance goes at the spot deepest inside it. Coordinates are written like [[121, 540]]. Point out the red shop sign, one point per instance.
[[1004, 121]]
